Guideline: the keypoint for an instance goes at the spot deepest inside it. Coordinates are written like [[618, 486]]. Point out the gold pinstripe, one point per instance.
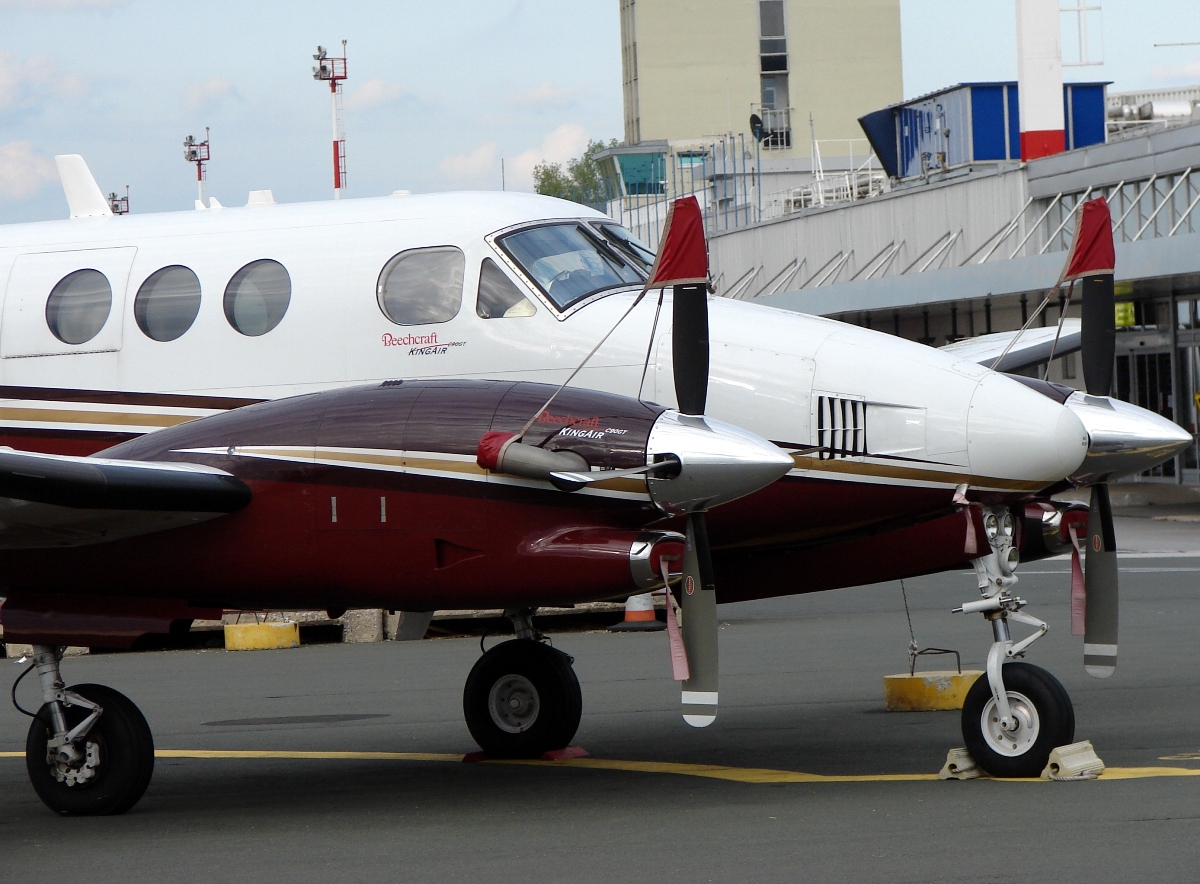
[[117, 418], [912, 474]]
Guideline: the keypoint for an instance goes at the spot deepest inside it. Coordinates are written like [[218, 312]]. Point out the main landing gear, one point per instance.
[[89, 751], [1018, 713], [522, 698]]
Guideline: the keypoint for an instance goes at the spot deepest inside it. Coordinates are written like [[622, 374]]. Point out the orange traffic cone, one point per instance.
[[639, 615]]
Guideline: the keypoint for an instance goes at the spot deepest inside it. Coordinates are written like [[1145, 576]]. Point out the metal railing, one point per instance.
[[1160, 205], [723, 173]]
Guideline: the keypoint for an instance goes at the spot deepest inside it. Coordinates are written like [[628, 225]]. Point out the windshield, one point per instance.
[[629, 244], [569, 262]]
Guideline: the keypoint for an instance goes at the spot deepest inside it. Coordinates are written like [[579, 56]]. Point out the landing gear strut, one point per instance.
[[89, 750], [522, 698], [1018, 713]]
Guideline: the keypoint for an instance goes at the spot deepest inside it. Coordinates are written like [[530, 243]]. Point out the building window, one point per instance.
[[79, 306], [257, 297], [422, 286], [498, 295], [772, 38], [773, 62], [167, 303]]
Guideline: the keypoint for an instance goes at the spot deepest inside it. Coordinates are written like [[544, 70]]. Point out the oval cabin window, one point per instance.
[[257, 297], [79, 306], [167, 303], [422, 286]]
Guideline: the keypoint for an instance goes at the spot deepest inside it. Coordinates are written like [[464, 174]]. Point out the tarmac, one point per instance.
[[344, 762]]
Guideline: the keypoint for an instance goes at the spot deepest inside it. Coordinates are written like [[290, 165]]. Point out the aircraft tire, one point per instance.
[[1043, 709], [522, 699], [122, 749]]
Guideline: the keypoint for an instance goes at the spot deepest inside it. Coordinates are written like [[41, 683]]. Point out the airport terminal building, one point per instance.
[[931, 227]]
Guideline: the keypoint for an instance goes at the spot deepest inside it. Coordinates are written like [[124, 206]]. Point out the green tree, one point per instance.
[[581, 182], [550, 180]]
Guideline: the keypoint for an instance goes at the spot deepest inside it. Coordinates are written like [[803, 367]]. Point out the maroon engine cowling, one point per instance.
[[444, 543]]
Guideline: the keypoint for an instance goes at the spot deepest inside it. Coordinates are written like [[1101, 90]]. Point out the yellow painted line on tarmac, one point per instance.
[[318, 756], [1142, 773], [720, 772], [754, 775]]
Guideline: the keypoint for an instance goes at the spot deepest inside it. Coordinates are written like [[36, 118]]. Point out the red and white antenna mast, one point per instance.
[[119, 204], [197, 152], [333, 70]]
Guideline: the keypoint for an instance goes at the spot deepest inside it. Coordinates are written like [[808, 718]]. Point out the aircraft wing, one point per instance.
[[49, 500], [1032, 348]]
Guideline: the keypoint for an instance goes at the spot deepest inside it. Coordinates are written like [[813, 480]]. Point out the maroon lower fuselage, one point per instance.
[[370, 497]]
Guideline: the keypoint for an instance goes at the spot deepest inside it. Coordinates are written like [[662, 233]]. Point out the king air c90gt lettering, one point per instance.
[[212, 397]]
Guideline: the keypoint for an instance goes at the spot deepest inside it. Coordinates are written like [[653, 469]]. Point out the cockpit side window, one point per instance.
[[498, 295], [422, 286], [570, 262]]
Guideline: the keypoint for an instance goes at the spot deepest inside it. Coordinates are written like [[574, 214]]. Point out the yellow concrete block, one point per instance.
[[927, 691], [261, 636]]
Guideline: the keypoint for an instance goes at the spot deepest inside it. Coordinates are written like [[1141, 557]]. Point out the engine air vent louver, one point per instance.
[[841, 427]]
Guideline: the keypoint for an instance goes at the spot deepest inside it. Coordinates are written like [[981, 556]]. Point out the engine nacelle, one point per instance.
[[1045, 528]]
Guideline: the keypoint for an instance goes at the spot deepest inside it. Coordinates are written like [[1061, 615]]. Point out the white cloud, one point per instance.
[[480, 167], [564, 143], [210, 92], [55, 5], [373, 93], [473, 166], [22, 171], [1188, 71], [26, 82], [545, 95]]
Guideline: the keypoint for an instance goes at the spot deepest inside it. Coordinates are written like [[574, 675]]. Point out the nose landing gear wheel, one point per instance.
[[522, 699], [1043, 719], [115, 763]]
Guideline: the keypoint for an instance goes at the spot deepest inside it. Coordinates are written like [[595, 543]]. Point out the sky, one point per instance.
[[438, 95]]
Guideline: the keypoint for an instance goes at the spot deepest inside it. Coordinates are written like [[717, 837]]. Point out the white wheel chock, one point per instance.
[[1077, 761], [960, 766]]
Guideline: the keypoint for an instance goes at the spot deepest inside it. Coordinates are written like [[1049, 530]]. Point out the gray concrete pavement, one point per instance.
[[801, 691]]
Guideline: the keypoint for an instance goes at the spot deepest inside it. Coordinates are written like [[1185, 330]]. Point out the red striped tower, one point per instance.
[[333, 71], [1039, 78]]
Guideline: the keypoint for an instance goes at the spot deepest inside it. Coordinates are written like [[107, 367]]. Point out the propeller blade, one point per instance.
[[1100, 586], [1098, 335], [699, 603], [1092, 258], [689, 347]]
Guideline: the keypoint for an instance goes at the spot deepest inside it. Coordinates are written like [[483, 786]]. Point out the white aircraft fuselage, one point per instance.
[[934, 420]]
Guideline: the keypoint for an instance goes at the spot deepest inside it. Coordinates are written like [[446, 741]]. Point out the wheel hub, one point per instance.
[[78, 773], [513, 703], [1023, 731]]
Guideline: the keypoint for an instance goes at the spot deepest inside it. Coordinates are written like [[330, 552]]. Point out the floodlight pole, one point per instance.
[[198, 152], [333, 71]]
